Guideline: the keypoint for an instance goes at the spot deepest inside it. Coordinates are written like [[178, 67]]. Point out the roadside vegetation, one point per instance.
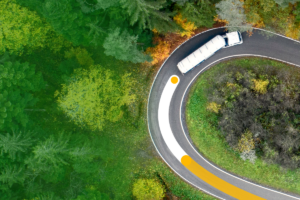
[[242, 115]]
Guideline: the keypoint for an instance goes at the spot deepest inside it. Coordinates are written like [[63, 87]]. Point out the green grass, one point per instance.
[[126, 150], [210, 143]]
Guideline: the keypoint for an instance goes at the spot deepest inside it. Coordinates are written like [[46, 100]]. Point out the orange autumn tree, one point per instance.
[[160, 52], [188, 27]]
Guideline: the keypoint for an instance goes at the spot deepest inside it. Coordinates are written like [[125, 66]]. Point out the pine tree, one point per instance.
[[84, 153], [200, 13], [68, 21], [123, 46], [147, 15], [15, 143], [88, 7], [51, 152], [12, 174]]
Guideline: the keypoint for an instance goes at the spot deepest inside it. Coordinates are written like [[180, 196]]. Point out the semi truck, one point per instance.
[[208, 49]]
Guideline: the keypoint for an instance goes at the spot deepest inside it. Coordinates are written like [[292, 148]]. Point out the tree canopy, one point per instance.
[[91, 97], [123, 46], [23, 29], [17, 83], [201, 13]]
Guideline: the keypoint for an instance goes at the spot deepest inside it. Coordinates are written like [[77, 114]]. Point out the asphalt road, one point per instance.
[[276, 47]]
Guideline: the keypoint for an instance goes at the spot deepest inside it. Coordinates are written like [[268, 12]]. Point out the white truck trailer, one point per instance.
[[208, 49]]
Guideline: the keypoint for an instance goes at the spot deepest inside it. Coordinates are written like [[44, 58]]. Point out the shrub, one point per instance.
[[148, 189], [258, 111]]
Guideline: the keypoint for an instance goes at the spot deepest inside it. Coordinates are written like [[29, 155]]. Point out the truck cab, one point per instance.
[[232, 38]]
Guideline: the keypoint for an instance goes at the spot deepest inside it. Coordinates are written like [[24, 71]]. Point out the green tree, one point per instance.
[[12, 174], [296, 12], [123, 46], [67, 21], [147, 14], [83, 153], [17, 83], [148, 189], [88, 7], [15, 143], [94, 96], [201, 13], [51, 153]]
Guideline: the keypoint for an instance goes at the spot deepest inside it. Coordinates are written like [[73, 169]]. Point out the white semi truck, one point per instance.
[[208, 49]]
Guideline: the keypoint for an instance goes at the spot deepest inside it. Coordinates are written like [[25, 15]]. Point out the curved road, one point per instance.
[[277, 47]]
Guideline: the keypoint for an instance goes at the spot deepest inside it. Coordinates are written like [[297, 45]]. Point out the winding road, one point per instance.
[[277, 47]]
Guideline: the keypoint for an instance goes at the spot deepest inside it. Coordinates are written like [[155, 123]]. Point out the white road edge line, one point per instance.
[[151, 92], [211, 64]]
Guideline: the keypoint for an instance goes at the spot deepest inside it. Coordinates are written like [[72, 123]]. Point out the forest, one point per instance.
[[74, 81]]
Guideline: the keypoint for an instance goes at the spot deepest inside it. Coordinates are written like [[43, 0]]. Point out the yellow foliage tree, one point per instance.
[[293, 30], [214, 107], [246, 143], [188, 27], [217, 19], [148, 189], [22, 28], [260, 86], [160, 52]]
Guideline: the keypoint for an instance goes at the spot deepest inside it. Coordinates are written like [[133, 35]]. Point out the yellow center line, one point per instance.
[[216, 182]]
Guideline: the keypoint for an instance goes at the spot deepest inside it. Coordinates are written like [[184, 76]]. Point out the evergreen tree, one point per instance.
[[15, 143], [84, 153], [11, 174], [123, 46], [147, 15], [51, 153], [67, 21], [88, 7], [296, 12], [201, 13], [17, 82]]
